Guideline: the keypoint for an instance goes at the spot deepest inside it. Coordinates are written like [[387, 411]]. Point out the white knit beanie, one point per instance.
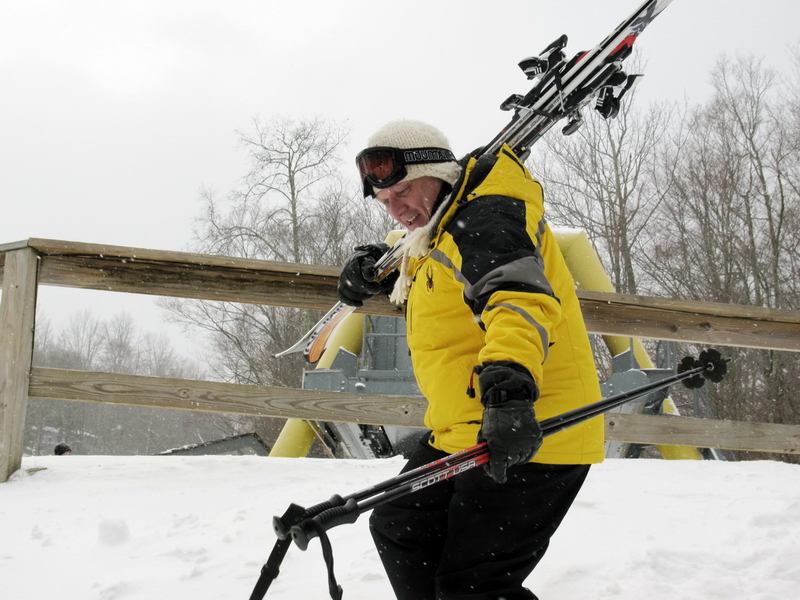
[[406, 134]]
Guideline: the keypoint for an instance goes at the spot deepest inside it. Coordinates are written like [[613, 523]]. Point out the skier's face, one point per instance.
[[410, 203]]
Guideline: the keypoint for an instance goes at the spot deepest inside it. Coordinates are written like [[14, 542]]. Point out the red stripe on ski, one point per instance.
[[626, 43]]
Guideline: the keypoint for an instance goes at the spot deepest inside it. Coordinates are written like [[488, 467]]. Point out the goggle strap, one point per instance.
[[415, 156]]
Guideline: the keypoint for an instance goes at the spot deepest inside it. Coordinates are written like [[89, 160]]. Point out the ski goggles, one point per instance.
[[382, 167]]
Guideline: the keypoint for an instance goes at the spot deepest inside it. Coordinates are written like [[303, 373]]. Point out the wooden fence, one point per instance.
[[27, 264]]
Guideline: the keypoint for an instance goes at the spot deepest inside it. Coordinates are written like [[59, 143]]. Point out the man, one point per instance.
[[497, 342]]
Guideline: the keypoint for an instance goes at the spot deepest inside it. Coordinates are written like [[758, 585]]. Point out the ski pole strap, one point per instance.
[[270, 571], [327, 553]]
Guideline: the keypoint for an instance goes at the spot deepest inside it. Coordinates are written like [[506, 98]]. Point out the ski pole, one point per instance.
[[346, 509], [303, 524], [420, 477], [691, 372]]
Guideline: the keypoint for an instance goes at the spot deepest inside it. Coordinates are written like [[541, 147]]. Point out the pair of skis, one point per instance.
[[561, 90]]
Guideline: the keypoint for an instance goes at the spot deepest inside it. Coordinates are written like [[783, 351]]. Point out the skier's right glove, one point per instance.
[[509, 426], [357, 280]]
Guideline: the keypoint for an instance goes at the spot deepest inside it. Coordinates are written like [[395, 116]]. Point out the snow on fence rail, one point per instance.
[[24, 265]]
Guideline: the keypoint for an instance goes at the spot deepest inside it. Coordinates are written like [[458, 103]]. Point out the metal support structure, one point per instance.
[[337, 370], [297, 436], [294, 441], [378, 364], [588, 272]]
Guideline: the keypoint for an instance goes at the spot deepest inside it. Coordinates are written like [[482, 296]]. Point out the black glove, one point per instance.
[[357, 280], [509, 425]]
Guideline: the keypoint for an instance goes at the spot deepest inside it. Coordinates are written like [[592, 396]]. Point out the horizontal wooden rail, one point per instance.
[[703, 433], [210, 277], [184, 274], [211, 396], [136, 390], [687, 321]]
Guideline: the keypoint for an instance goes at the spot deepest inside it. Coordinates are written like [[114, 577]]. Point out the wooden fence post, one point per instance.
[[17, 316]]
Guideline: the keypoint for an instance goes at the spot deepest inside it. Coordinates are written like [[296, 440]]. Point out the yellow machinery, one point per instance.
[[297, 436]]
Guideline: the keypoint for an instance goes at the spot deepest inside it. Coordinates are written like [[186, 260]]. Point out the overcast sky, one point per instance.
[[114, 114]]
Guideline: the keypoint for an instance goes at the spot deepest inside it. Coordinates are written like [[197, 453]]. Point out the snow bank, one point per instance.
[[141, 528]]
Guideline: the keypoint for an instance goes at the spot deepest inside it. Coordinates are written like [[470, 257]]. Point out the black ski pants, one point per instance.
[[469, 538]]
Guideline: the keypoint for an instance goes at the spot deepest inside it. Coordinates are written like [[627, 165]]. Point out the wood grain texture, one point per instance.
[[210, 277], [402, 411], [703, 433], [17, 314], [208, 396]]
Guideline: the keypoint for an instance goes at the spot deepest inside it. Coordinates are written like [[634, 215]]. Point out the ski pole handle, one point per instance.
[[348, 509], [283, 525], [338, 515]]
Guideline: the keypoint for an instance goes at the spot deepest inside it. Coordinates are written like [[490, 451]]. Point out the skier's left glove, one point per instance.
[[509, 425], [357, 280]]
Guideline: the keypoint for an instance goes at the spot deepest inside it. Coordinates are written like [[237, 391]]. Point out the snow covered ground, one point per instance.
[[145, 528]]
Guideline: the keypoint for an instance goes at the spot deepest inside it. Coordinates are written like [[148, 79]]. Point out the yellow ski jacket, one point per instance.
[[494, 286]]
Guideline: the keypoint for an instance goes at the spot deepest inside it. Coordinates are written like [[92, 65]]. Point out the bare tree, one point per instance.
[[293, 206], [296, 207], [729, 231], [701, 204], [120, 346], [115, 345], [605, 180], [734, 201], [80, 342]]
